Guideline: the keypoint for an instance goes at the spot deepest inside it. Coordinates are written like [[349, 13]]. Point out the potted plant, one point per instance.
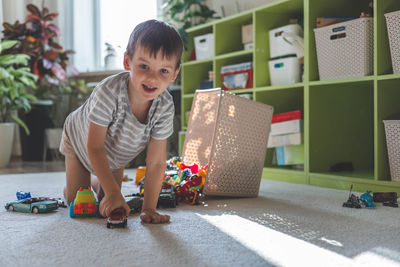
[[184, 14], [49, 62], [15, 77]]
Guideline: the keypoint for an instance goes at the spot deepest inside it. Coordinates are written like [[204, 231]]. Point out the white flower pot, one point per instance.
[[6, 142]]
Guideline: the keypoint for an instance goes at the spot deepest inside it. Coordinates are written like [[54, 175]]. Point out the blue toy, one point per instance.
[[23, 195], [367, 200]]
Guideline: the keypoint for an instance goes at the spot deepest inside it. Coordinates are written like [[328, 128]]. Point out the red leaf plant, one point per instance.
[[48, 60]]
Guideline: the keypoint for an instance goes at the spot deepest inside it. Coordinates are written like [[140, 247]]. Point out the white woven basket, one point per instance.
[[393, 26], [392, 130], [346, 49], [230, 134]]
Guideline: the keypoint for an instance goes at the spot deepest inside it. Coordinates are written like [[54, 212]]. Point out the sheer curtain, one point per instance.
[[77, 23]]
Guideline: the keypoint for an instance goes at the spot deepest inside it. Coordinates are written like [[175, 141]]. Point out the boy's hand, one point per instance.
[[152, 216], [111, 202]]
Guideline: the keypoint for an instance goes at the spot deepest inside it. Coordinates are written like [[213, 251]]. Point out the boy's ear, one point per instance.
[[176, 73], [126, 61]]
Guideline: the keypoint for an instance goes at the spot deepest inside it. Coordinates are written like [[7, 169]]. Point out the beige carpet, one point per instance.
[[287, 225]]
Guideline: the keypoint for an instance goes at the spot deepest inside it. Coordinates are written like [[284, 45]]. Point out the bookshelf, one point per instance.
[[342, 118]]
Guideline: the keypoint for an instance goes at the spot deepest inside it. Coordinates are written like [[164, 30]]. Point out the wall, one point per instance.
[[232, 7]]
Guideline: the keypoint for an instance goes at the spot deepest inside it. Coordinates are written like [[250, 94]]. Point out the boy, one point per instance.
[[124, 113]]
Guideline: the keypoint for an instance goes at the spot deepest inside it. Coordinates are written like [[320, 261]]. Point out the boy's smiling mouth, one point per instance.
[[148, 88]]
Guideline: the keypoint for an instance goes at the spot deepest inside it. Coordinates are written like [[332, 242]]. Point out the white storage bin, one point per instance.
[[284, 71], [204, 46], [278, 46], [346, 49], [393, 26], [392, 131]]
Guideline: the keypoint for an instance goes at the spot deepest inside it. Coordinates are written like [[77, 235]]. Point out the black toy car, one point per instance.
[[353, 201], [167, 200]]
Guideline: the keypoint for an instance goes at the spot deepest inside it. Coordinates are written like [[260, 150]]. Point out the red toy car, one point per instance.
[[117, 218]]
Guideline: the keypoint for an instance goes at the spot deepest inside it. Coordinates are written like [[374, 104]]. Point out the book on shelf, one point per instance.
[[289, 155], [287, 116], [285, 139], [286, 127]]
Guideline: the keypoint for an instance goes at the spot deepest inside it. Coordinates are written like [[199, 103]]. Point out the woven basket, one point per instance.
[[230, 134], [392, 130], [346, 49], [393, 26]]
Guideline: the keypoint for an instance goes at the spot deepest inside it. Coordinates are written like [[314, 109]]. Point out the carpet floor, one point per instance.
[[286, 225]]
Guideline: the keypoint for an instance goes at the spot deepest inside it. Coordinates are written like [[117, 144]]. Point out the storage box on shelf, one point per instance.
[[393, 26], [238, 76], [287, 137], [285, 70], [278, 46], [247, 36], [286, 52], [345, 49], [204, 46], [392, 130], [343, 118]]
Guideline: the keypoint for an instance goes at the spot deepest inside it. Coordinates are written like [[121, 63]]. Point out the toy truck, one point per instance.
[[84, 205]]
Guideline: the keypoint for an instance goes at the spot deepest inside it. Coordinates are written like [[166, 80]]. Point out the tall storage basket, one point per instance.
[[345, 50], [392, 130], [393, 26], [230, 134]]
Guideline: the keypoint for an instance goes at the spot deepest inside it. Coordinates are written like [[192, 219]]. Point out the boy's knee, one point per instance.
[[69, 198]]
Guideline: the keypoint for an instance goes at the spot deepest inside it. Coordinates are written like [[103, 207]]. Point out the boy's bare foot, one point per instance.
[[152, 216]]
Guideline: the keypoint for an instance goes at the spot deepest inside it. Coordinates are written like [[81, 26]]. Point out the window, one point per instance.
[[117, 20], [112, 21]]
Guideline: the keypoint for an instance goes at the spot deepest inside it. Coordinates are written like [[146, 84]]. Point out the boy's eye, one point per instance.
[[143, 66], [165, 71]]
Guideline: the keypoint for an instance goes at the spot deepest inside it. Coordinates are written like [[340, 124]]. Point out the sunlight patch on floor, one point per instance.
[[284, 250]]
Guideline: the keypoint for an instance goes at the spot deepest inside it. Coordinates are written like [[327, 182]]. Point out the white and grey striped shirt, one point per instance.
[[109, 106]]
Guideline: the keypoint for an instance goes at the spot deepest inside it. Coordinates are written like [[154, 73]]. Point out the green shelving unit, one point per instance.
[[343, 119]]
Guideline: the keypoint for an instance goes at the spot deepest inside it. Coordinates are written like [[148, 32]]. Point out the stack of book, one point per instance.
[[287, 138]]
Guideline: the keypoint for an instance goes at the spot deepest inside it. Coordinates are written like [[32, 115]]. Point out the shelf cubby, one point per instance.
[[224, 61], [228, 33], [323, 8], [191, 83], [191, 33], [383, 61], [283, 100], [341, 127], [277, 15], [186, 107], [388, 107]]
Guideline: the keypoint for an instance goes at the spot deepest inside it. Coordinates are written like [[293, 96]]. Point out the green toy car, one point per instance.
[[34, 205]]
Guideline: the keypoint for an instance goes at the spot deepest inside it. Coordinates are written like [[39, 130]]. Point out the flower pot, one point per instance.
[[6, 141], [37, 120]]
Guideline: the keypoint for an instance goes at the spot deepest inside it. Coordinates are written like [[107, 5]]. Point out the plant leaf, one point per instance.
[[21, 123], [58, 71], [50, 16], [53, 28], [7, 44], [33, 9]]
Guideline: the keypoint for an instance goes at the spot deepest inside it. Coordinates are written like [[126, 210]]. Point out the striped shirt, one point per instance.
[[109, 106]]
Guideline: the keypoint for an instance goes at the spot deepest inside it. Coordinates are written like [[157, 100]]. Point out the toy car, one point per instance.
[[60, 202], [117, 218], [23, 195], [134, 202], [84, 205], [167, 199], [353, 201], [34, 205]]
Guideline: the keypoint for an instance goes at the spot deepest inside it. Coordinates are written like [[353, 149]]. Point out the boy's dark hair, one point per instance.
[[155, 35]]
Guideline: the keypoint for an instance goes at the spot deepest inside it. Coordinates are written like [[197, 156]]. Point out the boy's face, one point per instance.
[[149, 76]]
